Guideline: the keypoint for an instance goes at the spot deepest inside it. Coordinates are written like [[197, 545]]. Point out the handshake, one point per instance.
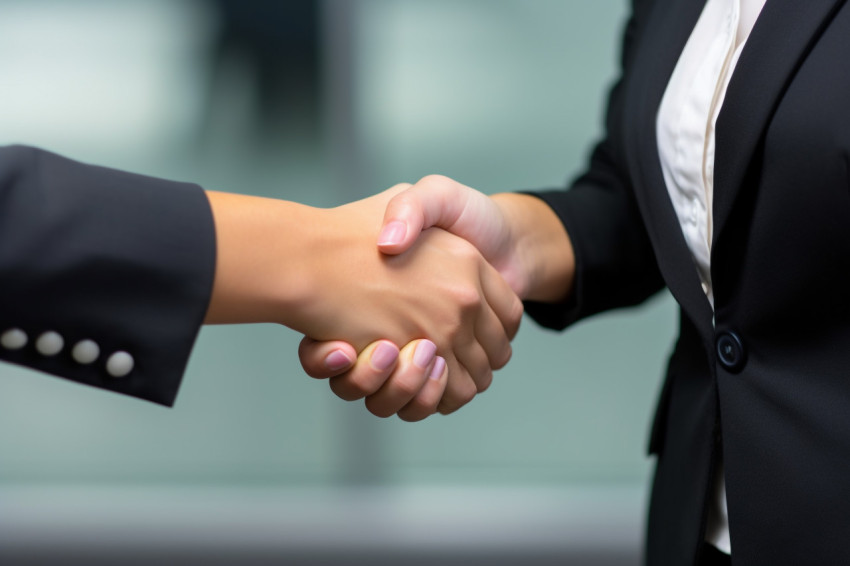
[[409, 298]]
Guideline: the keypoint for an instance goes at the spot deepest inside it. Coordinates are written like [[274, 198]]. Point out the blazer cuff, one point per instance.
[[107, 275]]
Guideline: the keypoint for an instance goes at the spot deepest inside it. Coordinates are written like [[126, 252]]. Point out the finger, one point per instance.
[[490, 334], [374, 366], [472, 356], [425, 403], [416, 361], [325, 359], [506, 305], [460, 387], [498, 318], [433, 201]]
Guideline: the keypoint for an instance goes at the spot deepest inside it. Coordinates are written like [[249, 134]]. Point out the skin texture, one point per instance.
[[518, 234], [318, 271]]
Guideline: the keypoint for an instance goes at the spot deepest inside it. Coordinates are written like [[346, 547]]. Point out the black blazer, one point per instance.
[[91, 253], [768, 384]]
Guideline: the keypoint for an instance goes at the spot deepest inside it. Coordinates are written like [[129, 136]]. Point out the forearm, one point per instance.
[[541, 245], [264, 252]]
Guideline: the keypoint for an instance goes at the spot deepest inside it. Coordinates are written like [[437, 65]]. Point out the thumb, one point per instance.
[[433, 201], [325, 359]]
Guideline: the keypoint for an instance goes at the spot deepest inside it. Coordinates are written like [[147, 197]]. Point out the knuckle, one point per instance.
[[425, 405], [468, 297], [465, 250], [416, 411], [464, 393], [504, 357], [378, 409], [434, 181], [348, 388], [483, 382], [403, 202], [446, 408], [406, 388]]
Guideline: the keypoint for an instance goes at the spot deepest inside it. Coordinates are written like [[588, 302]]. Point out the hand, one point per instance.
[[470, 354], [442, 289], [442, 202], [391, 381], [318, 272], [518, 234]]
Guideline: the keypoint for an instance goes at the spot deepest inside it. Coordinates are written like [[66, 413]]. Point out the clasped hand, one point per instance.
[[450, 294]]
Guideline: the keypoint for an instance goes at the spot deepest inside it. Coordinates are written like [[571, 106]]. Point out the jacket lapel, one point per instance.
[[668, 28], [780, 40]]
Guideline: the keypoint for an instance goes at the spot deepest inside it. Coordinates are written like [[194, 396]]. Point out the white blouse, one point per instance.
[[685, 130]]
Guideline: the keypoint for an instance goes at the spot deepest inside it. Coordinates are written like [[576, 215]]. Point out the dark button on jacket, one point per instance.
[[730, 351]]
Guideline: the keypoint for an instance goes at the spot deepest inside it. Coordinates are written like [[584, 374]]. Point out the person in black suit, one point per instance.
[[724, 175], [107, 277]]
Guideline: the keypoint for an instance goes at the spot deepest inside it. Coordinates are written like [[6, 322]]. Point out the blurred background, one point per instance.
[[324, 102]]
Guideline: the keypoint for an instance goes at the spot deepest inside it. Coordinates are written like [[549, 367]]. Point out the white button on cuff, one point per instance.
[[13, 339], [119, 364], [85, 352], [49, 343]]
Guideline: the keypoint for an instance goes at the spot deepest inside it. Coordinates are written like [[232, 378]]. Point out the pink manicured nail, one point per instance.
[[425, 352], [337, 360], [439, 366], [384, 356], [393, 233]]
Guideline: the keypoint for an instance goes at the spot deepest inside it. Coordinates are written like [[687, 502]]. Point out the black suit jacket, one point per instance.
[[91, 253], [768, 384]]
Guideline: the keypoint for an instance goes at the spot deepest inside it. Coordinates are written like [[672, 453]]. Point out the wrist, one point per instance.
[[514, 261], [262, 248], [545, 261]]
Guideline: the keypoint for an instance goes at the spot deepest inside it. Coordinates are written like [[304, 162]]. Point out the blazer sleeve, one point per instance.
[[105, 276], [615, 262]]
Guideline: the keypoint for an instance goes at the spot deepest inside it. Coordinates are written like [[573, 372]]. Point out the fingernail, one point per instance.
[[425, 352], [439, 366], [337, 360], [384, 356], [393, 233]]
